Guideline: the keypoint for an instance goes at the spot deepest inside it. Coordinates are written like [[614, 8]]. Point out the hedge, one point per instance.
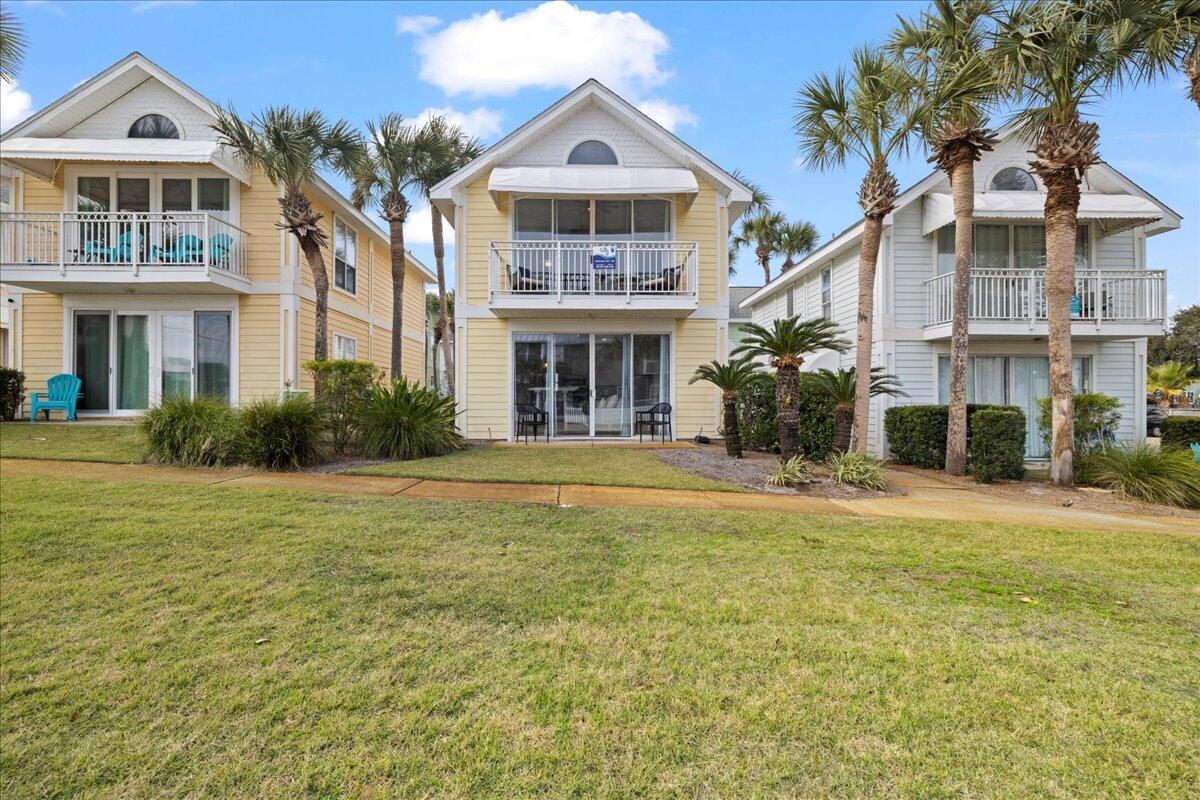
[[12, 392], [1179, 431], [1097, 417], [916, 434], [756, 419], [997, 444]]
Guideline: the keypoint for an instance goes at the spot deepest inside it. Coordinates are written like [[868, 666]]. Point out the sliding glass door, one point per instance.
[[572, 385], [92, 359], [613, 357], [133, 362], [176, 355], [213, 345]]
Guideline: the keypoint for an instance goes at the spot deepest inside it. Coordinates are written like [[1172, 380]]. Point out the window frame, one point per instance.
[[1085, 229], [346, 265], [174, 124], [576, 145], [827, 293], [553, 234], [340, 341], [992, 180]]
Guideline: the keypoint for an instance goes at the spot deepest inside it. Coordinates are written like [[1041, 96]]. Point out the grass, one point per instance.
[[593, 466], [169, 641], [120, 444]]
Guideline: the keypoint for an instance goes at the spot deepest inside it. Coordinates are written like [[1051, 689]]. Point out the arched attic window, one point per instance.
[[1013, 179], [153, 126], [592, 152]]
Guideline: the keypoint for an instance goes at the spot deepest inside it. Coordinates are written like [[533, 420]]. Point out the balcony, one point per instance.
[[592, 278], [1107, 303], [152, 253]]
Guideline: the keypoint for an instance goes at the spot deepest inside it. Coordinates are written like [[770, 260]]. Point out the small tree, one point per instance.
[[761, 232], [730, 378], [1169, 380], [840, 388], [796, 239], [344, 387]]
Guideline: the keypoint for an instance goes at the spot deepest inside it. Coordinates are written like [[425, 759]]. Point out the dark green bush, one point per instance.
[[343, 389], [197, 433], [1180, 431], [407, 420], [916, 434], [756, 419], [997, 444], [1146, 473], [12, 392], [1096, 419], [282, 434]]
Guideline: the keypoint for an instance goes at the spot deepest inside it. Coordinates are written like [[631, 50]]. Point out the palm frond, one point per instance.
[[731, 376], [14, 44], [788, 341], [839, 385]]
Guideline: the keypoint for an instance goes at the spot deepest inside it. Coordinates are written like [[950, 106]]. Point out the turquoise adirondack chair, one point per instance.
[[62, 392], [1196, 450]]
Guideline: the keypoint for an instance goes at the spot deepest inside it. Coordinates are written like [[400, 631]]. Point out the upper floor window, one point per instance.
[[791, 301], [592, 152], [345, 347], [345, 251], [153, 126], [1013, 179], [581, 220], [1004, 246], [827, 293]]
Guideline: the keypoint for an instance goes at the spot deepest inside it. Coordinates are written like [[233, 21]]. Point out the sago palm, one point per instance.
[[731, 378], [396, 156], [761, 233], [290, 147], [954, 82], [1055, 60], [1169, 379], [785, 345], [840, 387], [796, 239], [860, 115], [453, 152]]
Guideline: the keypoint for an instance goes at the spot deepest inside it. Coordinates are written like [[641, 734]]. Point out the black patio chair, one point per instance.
[[656, 418], [530, 416]]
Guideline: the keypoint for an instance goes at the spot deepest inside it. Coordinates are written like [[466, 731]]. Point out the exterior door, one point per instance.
[[572, 385], [177, 354], [612, 377], [133, 362], [92, 363]]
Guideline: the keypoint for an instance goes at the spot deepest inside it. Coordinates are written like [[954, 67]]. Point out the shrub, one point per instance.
[[1180, 431], [916, 434], [282, 434], [344, 389], [756, 419], [789, 473], [197, 433], [1096, 420], [407, 420], [857, 469], [997, 446], [12, 392], [1143, 472]]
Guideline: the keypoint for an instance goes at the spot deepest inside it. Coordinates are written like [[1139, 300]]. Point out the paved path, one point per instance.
[[927, 498]]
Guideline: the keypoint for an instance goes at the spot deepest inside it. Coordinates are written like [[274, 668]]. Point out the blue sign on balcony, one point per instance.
[[604, 258]]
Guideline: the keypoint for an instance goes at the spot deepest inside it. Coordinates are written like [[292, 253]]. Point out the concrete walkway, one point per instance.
[[927, 498]]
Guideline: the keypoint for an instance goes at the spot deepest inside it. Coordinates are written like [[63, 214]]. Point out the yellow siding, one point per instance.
[[695, 405], [699, 224], [487, 379], [42, 196], [41, 321], [485, 224], [259, 215], [258, 347], [304, 343]]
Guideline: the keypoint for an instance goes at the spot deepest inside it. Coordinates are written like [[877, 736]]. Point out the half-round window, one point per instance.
[[592, 152], [1013, 179], [153, 126]]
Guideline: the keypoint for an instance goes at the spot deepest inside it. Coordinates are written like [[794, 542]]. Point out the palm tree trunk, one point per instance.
[[396, 242], [962, 183], [766, 265], [316, 265], [733, 436], [843, 422], [868, 258], [439, 330], [1062, 207], [787, 400]]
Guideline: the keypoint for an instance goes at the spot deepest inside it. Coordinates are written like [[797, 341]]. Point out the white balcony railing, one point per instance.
[[1020, 295], [592, 268], [82, 240]]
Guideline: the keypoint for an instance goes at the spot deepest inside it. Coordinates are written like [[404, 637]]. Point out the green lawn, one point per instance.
[[594, 466], [163, 641], [122, 444]]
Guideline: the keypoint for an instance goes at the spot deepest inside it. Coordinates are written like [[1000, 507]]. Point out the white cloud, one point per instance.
[[150, 5], [552, 45], [418, 25], [419, 227], [481, 122], [15, 104], [669, 115]]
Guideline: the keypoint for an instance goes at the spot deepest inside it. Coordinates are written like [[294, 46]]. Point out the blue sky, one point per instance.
[[723, 75]]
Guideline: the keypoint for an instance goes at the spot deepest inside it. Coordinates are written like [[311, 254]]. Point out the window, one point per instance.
[[345, 251], [827, 293], [153, 126], [345, 347], [1013, 179], [593, 153], [212, 194], [791, 302], [195, 194], [581, 220], [1008, 247]]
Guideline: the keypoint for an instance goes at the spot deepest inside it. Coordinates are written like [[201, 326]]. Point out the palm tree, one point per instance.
[[861, 115], [1169, 379], [13, 44], [759, 201], [289, 147], [784, 345], [730, 378], [1169, 40], [762, 233], [1055, 59], [954, 81], [397, 153], [796, 239], [839, 387], [435, 303], [454, 151]]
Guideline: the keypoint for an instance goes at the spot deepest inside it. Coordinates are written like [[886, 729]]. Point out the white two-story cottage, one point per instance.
[[1118, 302]]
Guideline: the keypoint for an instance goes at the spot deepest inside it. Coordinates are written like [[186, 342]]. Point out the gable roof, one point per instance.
[[446, 194], [738, 308]]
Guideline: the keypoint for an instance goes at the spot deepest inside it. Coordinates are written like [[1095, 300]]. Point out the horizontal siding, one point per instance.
[[487, 379], [696, 404], [912, 265], [1115, 364], [41, 320], [485, 224], [698, 223], [258, 347]]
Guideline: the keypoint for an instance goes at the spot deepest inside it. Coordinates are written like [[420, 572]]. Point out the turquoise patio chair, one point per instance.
[[189, 249], [1196, 450], [62, 393], [219, 246]]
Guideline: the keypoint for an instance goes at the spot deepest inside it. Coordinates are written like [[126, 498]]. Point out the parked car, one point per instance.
[[1154, 420]]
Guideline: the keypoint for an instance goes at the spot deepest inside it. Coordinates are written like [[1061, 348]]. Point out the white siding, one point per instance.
[[912, 265], [151, 97], [591, 122], [1115, 368]]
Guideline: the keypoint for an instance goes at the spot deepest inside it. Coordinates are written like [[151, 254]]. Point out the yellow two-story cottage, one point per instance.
[[592, 268], [141, 256]]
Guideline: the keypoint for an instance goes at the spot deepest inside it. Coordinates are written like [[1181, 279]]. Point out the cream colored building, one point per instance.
[[592, 270], [140, 255]]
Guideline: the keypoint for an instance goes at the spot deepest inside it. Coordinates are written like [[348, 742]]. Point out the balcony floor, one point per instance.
[[533, 306], [1040, 329], [101, 279]]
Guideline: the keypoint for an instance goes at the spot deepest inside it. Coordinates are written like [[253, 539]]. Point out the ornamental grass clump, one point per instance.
[[1170, 477], [282, 434], [857, 469], [200, 432], [792, 472], [407, 420]]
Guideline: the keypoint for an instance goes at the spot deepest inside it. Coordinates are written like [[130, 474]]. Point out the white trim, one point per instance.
[[133, 116], [333, 257], [592, 138], [335, 336]]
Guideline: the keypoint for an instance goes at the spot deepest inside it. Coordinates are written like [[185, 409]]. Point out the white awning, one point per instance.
[[592, 181], [1116, 212], [25, 153]]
